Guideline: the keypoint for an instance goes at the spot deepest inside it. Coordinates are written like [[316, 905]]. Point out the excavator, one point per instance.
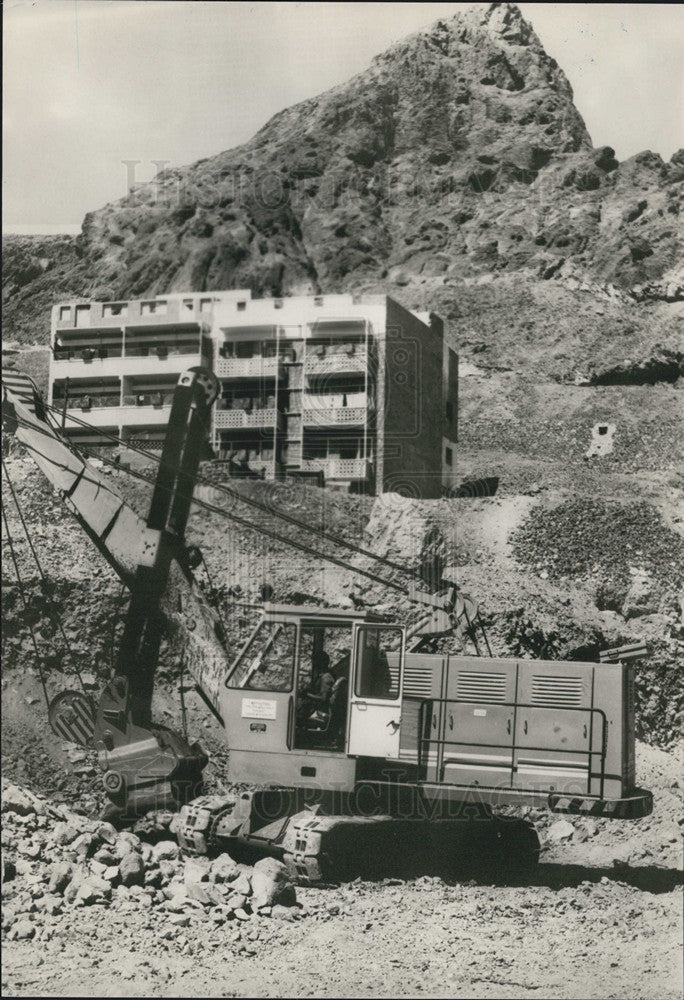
[[356, 744]]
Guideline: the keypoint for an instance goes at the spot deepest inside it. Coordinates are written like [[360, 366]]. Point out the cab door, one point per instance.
[[257, 702], [375, 704]]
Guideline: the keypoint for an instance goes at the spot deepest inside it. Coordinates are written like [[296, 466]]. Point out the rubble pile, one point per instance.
[[586, 536], [55, 860]]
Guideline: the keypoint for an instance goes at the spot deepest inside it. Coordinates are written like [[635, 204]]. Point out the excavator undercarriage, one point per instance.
[[319, 847]]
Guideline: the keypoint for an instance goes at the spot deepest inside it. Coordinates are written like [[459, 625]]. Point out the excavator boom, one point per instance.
[[121, 535]]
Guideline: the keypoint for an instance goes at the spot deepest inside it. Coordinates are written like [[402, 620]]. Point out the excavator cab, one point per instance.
[[316, 681]]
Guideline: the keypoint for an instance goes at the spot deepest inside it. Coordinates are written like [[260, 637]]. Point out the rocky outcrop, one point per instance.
[[458, 153]]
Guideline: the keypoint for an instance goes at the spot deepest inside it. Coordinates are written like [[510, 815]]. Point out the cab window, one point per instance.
[[378, 663], [267, 664]]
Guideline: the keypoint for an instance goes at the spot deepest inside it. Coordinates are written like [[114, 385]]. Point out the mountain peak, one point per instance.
[[458, 153]]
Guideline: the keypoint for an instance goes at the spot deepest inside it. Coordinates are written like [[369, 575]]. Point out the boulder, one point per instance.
[[165, 850], [132, 870], [196, 870], [22, 930], [17, 800], [179, 900], [107, 833], [92, 889], [199, 891], [271, 884], [168, 869], [84, 846], [242, 884], [223, 869], [105, 856], [126, 843], [66, 833], [560, 831]]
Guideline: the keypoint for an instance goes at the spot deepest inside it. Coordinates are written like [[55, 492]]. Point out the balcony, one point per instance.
[[119, 416], [334, 364], [257, 367], [339, 468], [153, 364], [334, 416], [240, 419]]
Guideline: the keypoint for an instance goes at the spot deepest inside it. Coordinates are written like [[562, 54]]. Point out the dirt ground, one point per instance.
[[600, 918], [573, 932]]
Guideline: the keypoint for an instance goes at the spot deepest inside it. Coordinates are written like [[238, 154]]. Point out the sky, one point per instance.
[[96, 91]]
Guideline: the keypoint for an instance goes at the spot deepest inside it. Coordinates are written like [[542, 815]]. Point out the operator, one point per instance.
[[323, 680]]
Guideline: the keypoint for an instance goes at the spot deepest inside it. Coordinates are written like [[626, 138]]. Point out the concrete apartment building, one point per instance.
[[355, 391]]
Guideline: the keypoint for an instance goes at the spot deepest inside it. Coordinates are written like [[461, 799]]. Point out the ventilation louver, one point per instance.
[[476, 685], [417, 681], [557, 692]]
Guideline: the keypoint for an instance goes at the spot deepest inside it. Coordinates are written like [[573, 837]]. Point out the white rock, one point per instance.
[[562, 830]]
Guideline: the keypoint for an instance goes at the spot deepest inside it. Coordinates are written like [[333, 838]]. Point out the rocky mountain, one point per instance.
[[458, 156]]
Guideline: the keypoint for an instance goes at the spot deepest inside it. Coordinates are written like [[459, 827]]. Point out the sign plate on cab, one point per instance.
[[258, 708]]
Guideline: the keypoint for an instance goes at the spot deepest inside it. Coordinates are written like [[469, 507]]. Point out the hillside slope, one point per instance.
[[458, 155]]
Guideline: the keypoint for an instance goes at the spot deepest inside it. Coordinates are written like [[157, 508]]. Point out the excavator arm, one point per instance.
[[143, 767]]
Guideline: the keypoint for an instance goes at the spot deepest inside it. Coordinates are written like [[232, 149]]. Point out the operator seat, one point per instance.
[[330, 730]]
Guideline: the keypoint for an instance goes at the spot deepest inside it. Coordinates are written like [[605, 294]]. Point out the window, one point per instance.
[[64, 313], [278, 304], [448, 456], [603, 429], [205, 305], [267, 663], [82, 315], [188, 305], [318, 300], [323, 647], [378, 659], [241, 306], [449, 410], [113, 309]]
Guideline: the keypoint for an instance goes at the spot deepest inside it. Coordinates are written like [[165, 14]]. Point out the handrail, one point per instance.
[[441, 742]]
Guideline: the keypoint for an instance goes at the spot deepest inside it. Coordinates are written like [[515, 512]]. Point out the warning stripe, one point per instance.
[[76, 722]]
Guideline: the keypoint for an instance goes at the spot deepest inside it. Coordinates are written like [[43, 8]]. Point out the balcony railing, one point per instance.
[[338, 468], [334, 416], [257, 367], [102, 412], [331, 364], [85, 402], [224, 419]]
